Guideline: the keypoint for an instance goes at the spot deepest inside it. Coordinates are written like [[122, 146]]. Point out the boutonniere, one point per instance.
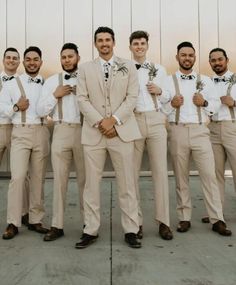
[[152, 70], [231, 81], [199, 86], [119, 67]]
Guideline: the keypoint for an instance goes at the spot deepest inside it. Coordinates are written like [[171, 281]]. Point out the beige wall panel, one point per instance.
[[44, 28], [179, 22], [208, 22], [146, 16], [101, 16], [78, 26], [227, 29], [16, 26], [121, 20], [2, 29]]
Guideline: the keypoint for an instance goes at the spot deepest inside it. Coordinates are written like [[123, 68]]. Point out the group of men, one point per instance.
[[123, 105]]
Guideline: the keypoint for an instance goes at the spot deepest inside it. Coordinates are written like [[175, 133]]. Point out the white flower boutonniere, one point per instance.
[[199, 86], [119, 67], [152, 70], [230, 81]]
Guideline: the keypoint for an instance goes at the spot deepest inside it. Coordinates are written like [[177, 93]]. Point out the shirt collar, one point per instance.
[[227, 74], [102, 61], [179, 73]]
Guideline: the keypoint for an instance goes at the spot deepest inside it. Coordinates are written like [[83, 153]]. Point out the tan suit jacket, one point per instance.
[[97, 101]]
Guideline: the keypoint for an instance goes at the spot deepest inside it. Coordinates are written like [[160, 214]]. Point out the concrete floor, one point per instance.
[[199, 257]]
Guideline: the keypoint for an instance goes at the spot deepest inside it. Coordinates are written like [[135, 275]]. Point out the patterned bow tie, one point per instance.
[[35, 80], [138, 65], [219, 79], [6, 78], [72, 75], [187, 77]]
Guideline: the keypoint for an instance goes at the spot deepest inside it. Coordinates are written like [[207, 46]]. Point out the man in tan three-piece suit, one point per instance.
[[107, 93]]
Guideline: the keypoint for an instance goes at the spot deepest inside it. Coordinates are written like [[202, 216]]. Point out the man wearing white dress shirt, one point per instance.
[[11, 61], [152, 124], [223, 125], [193, 99], [58, 99], [29, 145]]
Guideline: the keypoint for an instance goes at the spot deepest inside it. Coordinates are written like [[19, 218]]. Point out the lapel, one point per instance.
[[99, 73]]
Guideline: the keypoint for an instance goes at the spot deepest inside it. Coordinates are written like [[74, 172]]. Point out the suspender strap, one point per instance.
[[231, 109], [60, 113], [154, 97], [177, 92], [0, 84], [199, 108], [22, 91]]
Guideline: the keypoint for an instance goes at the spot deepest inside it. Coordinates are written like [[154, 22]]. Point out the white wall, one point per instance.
[[50, 23]]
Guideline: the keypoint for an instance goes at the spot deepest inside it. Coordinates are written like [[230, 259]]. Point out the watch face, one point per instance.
[[15, 108]]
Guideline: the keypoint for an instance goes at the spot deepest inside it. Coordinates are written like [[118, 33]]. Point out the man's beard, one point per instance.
[[32, 73], [186, 68], [74, 68]]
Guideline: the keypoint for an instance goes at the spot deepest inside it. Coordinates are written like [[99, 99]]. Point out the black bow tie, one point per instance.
[[35, 80], [138, 65], [72, 75], [187, 77], [6, 78], [219, 79]]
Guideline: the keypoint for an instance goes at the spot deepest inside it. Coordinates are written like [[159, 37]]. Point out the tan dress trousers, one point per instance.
[[29, 152], [152, 126], [5, 143], [193, 139], [122, 156], [223, 139], [66, 147]]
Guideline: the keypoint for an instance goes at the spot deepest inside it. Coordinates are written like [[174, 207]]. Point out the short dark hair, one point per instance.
[[185, 44], [104, 30], [220, 50], [35, 49], [70, 46], [138, 35], [11, 49]]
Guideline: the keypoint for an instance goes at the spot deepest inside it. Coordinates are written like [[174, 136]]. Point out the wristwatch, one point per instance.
[[16, 108], [205, 103]]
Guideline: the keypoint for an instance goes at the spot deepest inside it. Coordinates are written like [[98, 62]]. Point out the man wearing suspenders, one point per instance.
[[223, 125], [11, 61], [152, 124], [58, 99], [192, 100], [29, 145]]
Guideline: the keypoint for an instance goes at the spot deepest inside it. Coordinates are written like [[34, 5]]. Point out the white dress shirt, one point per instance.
[[10, 95], [223, 113], [188, 111], [3, 119], [47, 103], [145, 101]]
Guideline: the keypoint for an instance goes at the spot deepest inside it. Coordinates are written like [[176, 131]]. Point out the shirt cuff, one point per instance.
[[118, 121]]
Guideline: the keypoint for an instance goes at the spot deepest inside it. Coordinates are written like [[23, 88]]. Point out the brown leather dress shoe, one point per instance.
[[221, 228], [205, 220], [183, 226], [140, 232], [53, 234], [132, 240], [38, 228], [165, 232], [10, 232], [86, 240], [25, 220]]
